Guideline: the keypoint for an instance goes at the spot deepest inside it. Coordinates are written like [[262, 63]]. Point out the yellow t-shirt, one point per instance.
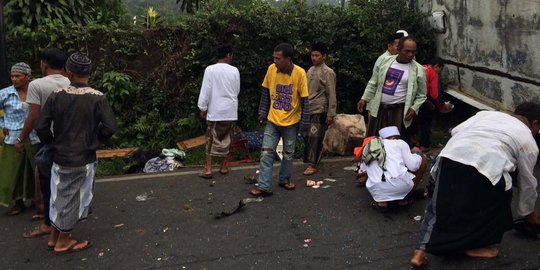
[[285, 93]]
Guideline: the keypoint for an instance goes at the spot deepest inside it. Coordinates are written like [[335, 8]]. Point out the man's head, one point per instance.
[[225, 53], [78, 67], [20, 75], [531, 111], [52, 59], [406, 49], [283, 55], [389, 132], [319, 52], [437, 64], [392, 42]]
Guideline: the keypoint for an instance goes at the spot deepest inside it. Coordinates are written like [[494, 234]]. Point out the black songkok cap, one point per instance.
[[79, 64]]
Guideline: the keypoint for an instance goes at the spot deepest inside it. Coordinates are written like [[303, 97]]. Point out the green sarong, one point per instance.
[[16, 173]]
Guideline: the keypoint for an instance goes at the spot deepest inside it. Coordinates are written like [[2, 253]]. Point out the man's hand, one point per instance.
[[203, 115], [416, 150], [5, 131], [329, 120], [361, 105], [19, 147], [410, 114]]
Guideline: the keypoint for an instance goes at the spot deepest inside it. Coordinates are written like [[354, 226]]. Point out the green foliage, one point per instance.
[[24, 14]]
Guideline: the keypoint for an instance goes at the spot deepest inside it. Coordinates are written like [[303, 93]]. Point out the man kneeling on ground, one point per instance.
[[388, 162], [475, 174]]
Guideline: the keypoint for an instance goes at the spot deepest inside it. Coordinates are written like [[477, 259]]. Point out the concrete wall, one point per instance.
[[493, 47]]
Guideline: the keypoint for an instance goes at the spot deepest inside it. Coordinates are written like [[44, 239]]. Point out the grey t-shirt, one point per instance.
[[40, 89]]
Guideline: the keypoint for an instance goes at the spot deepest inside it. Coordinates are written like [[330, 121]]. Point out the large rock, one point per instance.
[[347, 132]]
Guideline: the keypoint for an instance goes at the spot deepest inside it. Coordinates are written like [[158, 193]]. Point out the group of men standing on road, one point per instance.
[[470, 209], [53, 126]]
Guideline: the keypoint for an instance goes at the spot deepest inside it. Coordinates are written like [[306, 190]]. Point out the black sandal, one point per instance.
[[375, 205]]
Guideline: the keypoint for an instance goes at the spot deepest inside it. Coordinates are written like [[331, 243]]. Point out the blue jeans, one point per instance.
[[272, 133]]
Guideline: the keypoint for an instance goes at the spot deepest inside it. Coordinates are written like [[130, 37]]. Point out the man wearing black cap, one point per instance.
[[82, 120]]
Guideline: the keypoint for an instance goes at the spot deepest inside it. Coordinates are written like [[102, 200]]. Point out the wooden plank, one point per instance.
[[191, 143], [116, 152]]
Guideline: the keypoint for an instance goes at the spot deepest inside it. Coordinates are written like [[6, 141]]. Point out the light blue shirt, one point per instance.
[[15, 112]]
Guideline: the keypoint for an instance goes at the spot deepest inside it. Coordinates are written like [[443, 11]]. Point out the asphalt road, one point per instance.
[[175, 228]]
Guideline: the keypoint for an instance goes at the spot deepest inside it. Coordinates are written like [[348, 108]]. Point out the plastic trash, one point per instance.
[[417, 218], [141, 198], [250, 200], [350, 168]]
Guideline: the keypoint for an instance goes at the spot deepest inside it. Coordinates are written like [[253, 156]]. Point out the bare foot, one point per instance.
[[419, 258], [487, 252]]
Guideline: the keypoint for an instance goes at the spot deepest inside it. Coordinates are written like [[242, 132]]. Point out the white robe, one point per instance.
[[398, 180]]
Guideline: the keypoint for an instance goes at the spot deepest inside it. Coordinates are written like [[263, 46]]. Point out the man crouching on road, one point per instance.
[[82, 120]]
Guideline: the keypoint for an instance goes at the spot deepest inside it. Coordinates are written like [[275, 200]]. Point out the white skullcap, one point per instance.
[[389, 132], [405, 34]]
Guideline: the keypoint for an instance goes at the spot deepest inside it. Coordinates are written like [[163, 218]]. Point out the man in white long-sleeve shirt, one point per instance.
[[487, 156], [218, 103], [396, 173]]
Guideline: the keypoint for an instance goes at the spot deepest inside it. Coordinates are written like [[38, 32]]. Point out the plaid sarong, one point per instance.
[[71, 194]]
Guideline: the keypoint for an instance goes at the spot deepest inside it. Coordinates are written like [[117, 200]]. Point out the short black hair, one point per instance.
[[320, 47], [223, 50], [54, 57], [286, 49], [392, 37], [402, 41], [436, 61], [530, 110]]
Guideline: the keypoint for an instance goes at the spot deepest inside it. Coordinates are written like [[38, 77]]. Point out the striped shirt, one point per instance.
[[15, 112]]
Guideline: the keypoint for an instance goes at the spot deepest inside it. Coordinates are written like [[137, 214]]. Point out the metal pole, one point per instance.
[[3, 69]]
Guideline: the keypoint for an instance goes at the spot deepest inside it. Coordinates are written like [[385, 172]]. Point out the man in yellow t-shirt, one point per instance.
[[284, 106]]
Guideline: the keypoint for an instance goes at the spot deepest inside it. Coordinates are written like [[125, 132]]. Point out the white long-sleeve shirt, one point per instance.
[[496, 144], [219, 92], [398, 180]]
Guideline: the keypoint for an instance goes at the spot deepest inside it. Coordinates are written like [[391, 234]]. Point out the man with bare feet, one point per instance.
[[82, 120], [488, 155]]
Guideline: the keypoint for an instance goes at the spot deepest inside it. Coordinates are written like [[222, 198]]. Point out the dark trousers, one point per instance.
[[313, 142], [425, 119], [44, 161]]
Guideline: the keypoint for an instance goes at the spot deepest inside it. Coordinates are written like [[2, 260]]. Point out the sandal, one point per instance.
[[226, 171], [205, 175], [405, 201], [16, 209], [310, 170], [37, 217], [377, 206], [257, 192], [36, 232], [287, 185], [72, 248]]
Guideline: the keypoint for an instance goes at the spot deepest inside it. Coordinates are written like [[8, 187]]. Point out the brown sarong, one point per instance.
[[388, 115], [219, 137]]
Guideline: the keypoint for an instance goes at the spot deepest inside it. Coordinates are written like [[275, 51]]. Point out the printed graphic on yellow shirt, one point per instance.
[[283, 98]]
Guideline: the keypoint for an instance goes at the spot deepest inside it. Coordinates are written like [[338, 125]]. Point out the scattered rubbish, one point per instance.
[[212, 183], [250, 179], [306, 245], [101, 254], [141, 198], [316, 186], [232, 211], [307, 241], [84, 259], [305, 221], [166, 229], [326, 186], [417, 218], [250, 200], [310, 183], [330, 180], [159, 259], [257, 171], [350, 168], [118, 225], [187, 207]]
